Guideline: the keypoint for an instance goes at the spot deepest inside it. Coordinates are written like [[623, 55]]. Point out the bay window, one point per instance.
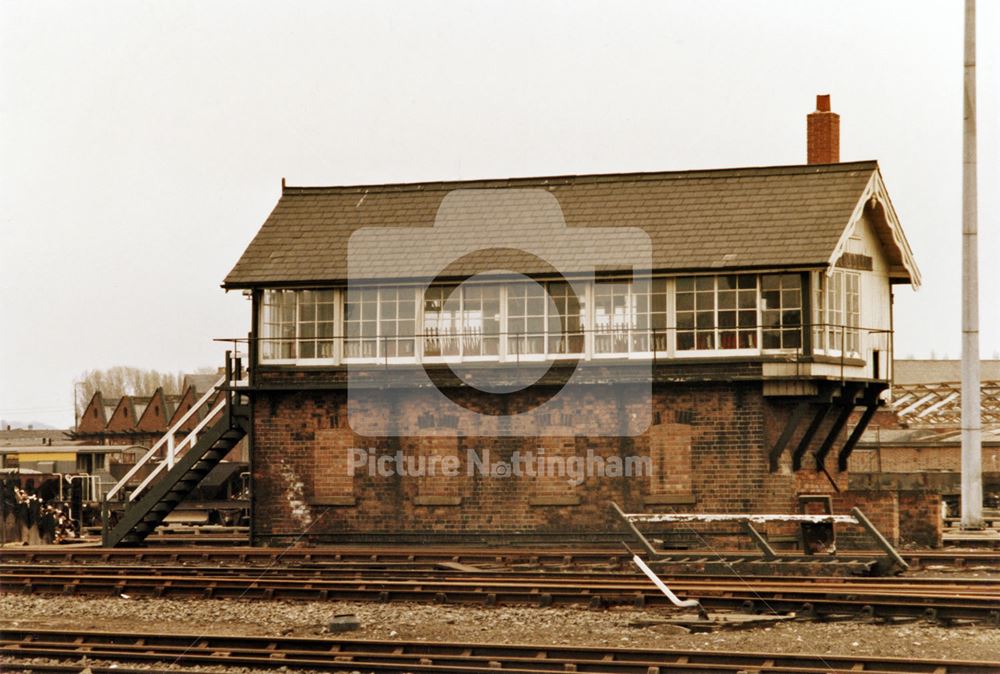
[[507, 322]]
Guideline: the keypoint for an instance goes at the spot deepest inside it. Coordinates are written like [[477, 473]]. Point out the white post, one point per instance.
[[170, 449], [972, 471]]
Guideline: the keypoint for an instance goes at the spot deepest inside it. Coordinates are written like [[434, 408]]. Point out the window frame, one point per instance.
[[716, 351], [835, 286], [780, 328], [648, 300], [297, 359]]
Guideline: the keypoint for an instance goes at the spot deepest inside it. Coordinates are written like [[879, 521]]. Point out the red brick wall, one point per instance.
[[880, 507], [709, 444], [919, 459], [920, 518]]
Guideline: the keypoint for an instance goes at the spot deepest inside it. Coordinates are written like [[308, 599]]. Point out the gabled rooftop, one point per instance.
[[741, 218]]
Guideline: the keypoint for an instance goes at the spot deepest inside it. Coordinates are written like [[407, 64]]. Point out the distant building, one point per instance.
[[915, 442], [140, 421]]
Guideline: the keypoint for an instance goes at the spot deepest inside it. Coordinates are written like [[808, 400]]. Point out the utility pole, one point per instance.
[[972, 453]]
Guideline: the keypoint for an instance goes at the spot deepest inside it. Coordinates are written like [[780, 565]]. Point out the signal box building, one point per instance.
[[762, 325]]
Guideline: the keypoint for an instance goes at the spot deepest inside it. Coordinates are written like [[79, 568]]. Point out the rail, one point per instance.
[[792, 342]]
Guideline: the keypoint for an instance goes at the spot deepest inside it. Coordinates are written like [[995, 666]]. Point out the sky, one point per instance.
[[142, 144]]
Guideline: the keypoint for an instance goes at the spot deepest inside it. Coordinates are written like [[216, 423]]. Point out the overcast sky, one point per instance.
[[143, 144]]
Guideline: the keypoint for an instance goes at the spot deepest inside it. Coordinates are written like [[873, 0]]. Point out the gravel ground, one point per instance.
[[511, 625]]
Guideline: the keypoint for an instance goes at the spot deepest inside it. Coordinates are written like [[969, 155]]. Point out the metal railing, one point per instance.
[[177, 440], [591, 343]]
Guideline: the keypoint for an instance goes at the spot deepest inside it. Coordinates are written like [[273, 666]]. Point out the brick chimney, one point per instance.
[[823, 133]]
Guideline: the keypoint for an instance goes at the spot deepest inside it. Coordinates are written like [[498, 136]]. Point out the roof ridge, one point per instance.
[[431, 185]]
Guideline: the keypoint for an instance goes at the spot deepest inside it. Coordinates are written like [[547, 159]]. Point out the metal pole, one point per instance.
[[972, 472]]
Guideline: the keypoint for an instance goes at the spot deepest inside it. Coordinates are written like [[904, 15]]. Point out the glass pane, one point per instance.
[[704, 283]]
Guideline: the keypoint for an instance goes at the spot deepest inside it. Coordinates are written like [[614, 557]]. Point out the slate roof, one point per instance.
[[771, 217]]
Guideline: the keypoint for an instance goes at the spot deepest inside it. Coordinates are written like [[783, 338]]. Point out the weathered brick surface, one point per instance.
[[708, 444], [880, 507], [920, 518], [918, 459]]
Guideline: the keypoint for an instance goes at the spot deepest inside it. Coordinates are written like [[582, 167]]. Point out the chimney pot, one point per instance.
[[823, 133]]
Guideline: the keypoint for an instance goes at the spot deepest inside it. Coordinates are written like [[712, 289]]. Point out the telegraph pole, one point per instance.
[[972, 453]]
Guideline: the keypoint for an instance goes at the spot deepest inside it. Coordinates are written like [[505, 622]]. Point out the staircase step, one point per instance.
[[143, 516]]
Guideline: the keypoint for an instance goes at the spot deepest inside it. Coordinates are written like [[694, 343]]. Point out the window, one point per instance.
[[658, 313], [297, 324], [737, 303], [397, 320], [834, 310], [717, 312], [442, 321], [614, 316], [525, 319], [480, 320], [781, 311], [695, 313], [361, 323], [278, 316], [852, 310], [625, 317], [315, 323], [567, 316], [840, 295]]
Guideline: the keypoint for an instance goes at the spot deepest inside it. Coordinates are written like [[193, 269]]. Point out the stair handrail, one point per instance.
[[190, 439], [168, 438]]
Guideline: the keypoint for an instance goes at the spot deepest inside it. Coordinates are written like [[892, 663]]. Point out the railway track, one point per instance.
[[541, 556], [19, 646], [945, 586], [945, 601]]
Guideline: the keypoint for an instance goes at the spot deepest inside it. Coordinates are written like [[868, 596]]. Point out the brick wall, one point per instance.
[[708, 449], [917, 459], [920, 518]]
